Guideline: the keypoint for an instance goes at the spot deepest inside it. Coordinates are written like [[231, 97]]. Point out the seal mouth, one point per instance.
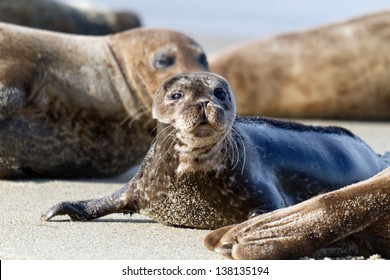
[[204, 129]]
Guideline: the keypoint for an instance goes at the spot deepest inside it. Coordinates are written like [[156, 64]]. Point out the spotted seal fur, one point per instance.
[[76, 106], [208, 168]]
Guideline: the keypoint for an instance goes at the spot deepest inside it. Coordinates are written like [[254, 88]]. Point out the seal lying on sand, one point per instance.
[[336, 71], [70, 106], [56, 16], [208, 169]]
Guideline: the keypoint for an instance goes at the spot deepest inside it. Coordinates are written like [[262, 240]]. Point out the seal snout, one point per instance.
[[203, 118], [209, 118]]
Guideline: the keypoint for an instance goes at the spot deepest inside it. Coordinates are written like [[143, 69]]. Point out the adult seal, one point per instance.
[[79, 106], [57, 16], [208, 169], [339, 71]]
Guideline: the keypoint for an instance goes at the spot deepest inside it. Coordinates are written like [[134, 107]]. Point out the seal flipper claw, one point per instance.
[[77, 211], [91, 209], [225, 250], [212, 240]]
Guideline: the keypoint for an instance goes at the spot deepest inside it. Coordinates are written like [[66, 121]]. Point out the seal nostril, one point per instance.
[[203, 104]]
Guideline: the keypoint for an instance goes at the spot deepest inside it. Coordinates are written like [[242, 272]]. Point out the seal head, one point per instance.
[[202, 112]]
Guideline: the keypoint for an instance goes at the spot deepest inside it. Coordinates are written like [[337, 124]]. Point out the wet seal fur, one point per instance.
[[57, 16], [79, 106], [208, 168], [339, 71]]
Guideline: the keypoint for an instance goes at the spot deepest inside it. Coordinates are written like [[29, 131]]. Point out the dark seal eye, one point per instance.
[[220, 93], [176, 95], [163, 61], [203, 61]]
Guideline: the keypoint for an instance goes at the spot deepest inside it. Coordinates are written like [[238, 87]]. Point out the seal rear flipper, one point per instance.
[[92, 209]]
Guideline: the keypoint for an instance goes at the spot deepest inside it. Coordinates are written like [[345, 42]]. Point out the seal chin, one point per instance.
[[200, 137], [204, 130]]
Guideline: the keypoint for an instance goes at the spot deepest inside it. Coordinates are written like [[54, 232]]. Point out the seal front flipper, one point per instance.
[[302, 229], [85, 210]]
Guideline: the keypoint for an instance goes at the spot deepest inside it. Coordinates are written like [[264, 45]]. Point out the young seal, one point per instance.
[[57, 16], [208, 168], [79, 106], [337, 71]]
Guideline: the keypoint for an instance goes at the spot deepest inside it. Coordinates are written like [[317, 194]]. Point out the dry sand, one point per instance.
[[24, 236]]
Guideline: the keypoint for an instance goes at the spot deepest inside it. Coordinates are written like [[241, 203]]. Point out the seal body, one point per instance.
[[208, 169], [57, 16], [78, 106], [339, 71]]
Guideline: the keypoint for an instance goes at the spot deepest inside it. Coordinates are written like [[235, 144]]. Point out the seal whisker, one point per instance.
[[243, 147], [171, 135], [163, 131], [138, 116], [236, 153], [151, 133], [166, 130], [226, 153], [127, 118]]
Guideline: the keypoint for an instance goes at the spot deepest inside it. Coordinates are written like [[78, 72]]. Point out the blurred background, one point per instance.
[[215, 24]]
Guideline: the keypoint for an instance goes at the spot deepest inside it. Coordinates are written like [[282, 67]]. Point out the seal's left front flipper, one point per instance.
[[85, 210]]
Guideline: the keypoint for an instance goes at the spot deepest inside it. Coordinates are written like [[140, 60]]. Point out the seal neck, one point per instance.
[[191, 159], [130, 100]]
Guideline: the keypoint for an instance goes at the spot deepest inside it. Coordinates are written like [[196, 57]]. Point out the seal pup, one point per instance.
[[56, 16], [339, 71], [208, 169], [355, 218], [79, 106]]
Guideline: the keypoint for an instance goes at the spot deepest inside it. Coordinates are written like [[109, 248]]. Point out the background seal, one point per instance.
[[57, 16], [339, 71], [79, 106]]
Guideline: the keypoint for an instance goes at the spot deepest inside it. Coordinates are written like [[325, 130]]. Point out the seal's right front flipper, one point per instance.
[[85, 210]]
